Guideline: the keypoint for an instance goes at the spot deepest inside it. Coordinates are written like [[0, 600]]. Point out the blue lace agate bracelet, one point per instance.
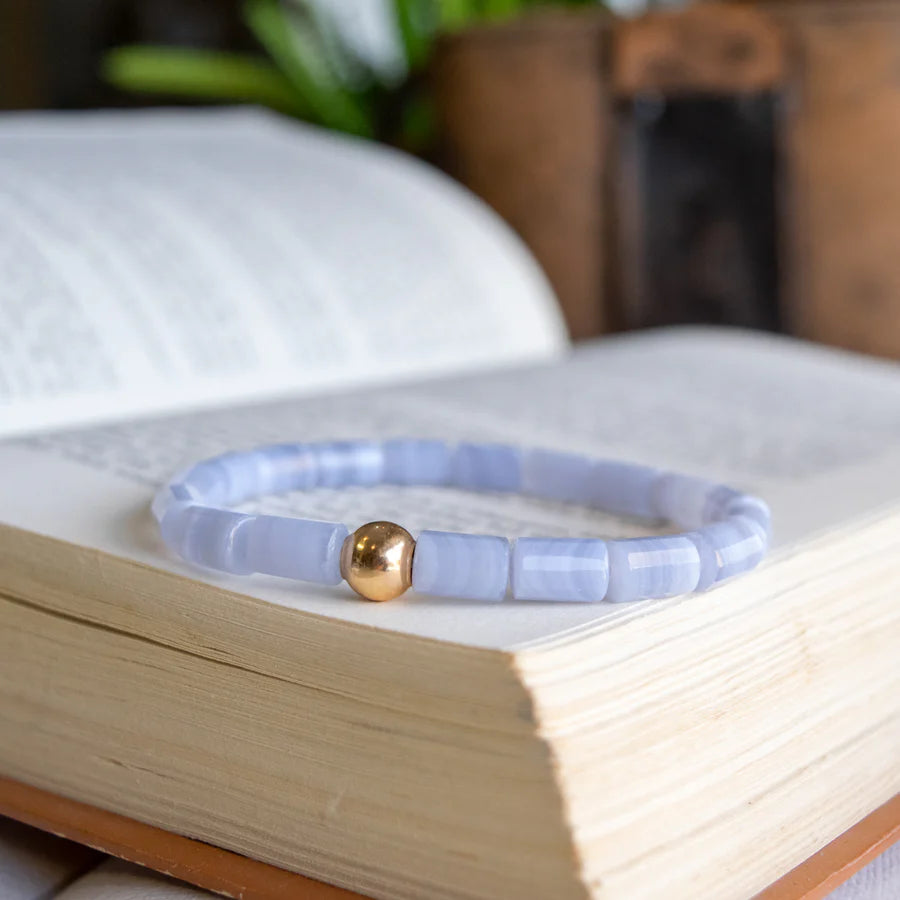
[[729, 531]]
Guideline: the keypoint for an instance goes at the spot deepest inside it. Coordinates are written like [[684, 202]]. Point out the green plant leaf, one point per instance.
[[417, 126], [200, 74], [417, 24], [297, 50], [353, 72], [457, 14], [501, 9]]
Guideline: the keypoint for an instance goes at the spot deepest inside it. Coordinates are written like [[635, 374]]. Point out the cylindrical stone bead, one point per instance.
[[556, 476], [417, 462], [243, 476], [487, 467], [717, 501], [470, 566], [227, 479], [286, 467], [752, 508], [207, 482], [214, 538], [728, 548], [624, 488], [297, 548], [175, 493], [345, 463], [565, 569], [682, 498], [641, 568]]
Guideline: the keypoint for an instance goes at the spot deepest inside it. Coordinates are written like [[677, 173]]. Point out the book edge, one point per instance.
[[196, 862], [231, 874]]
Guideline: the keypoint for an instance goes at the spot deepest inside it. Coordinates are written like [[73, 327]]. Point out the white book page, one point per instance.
[[815, 432], [162, 261]]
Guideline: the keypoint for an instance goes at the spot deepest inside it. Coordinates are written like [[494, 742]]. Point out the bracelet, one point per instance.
[[729, 531]]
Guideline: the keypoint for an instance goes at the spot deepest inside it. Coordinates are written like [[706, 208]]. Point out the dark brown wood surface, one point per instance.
[[525, 119], [695, 200], [842, 176], [23, 76], [528, 120], [708, 48], [838, 132]]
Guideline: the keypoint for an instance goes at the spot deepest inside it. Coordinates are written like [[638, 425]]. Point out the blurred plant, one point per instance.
[[311, 70]]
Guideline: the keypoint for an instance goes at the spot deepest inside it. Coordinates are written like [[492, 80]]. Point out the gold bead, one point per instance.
[[376, 560]]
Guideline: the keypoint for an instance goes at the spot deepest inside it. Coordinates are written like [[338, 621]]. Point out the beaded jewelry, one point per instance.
[[728, 531]]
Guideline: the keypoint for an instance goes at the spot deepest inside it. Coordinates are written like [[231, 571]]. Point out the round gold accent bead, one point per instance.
[[376, 560]]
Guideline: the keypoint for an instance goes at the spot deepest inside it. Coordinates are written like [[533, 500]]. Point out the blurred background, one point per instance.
[[726, 162]]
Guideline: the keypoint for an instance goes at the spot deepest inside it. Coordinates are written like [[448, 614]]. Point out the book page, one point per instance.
[[164, 261], [815, 432]]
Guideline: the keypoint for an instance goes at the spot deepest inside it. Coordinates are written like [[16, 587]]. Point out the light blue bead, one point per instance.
[[559, 569], [175, 493], [725, 502], [417, 462], [297, 548], [752, 508], [181, 493], [345, 463], [623, 488], [717, 503], [227, 479], [682, 498], [728, 548], [242, 475], [471, 566], [616, 487], [487, 467], [214, 538], [207, 482], [286, 467], [641, 568], [556, 476]]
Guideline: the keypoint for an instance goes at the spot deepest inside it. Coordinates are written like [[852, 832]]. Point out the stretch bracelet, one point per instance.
[[728, 531]]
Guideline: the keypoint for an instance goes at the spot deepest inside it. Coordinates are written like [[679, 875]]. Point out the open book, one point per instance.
[[196, 283]]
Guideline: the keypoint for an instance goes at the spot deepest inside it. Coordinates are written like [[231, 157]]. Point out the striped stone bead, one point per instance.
[[470, 566], [564, 569], [640, 568]]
